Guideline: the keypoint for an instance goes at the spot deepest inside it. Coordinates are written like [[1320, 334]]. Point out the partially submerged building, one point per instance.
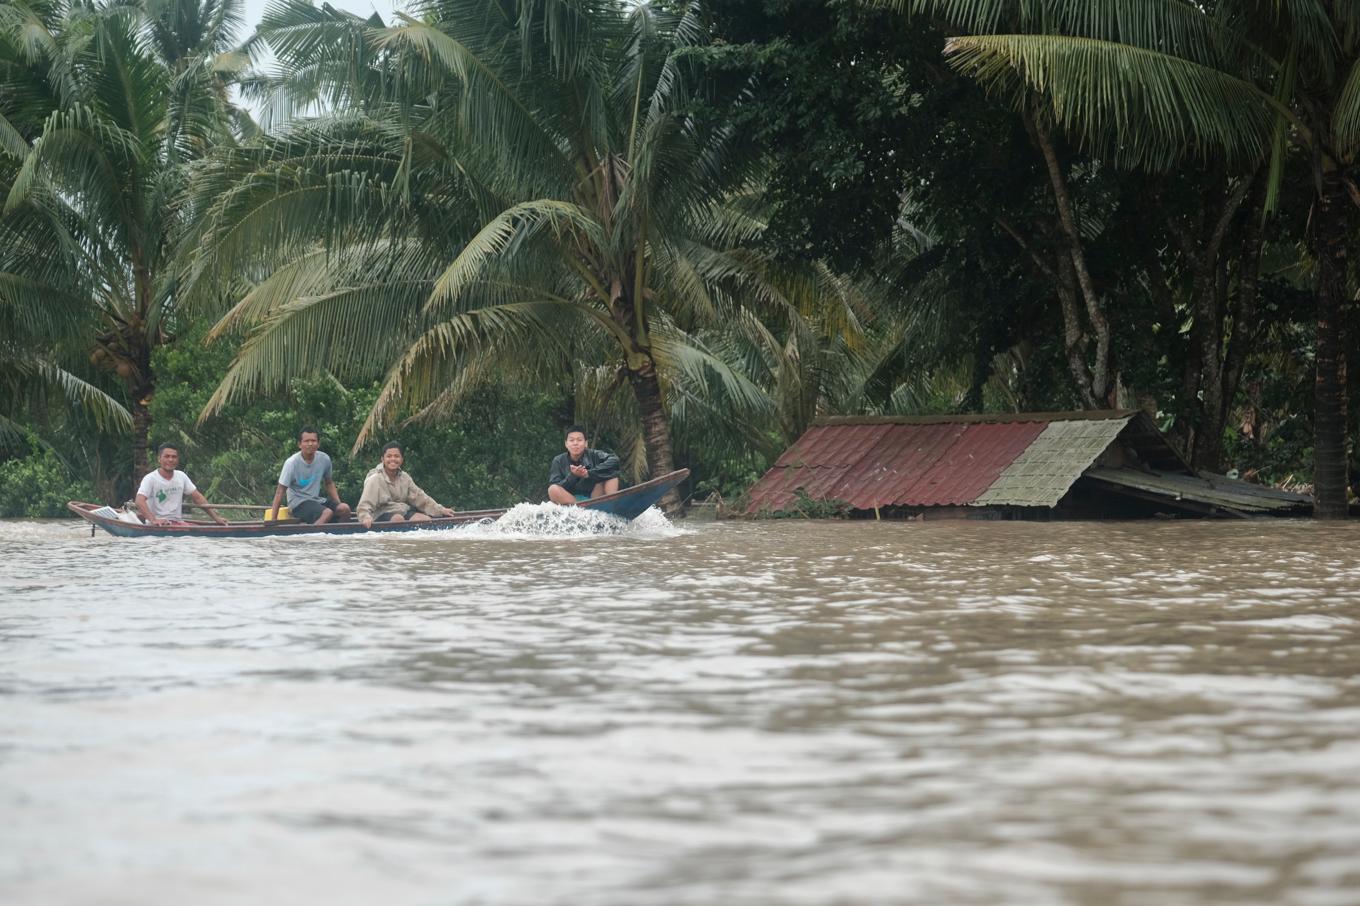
[[1103, 464]]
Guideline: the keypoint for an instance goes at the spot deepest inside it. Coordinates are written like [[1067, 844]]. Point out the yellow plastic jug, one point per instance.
[[283, 513]]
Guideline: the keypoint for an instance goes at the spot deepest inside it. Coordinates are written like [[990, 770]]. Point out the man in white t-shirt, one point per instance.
[[160, 498]]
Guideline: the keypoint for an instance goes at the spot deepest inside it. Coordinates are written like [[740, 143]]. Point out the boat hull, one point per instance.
[[626, 504]]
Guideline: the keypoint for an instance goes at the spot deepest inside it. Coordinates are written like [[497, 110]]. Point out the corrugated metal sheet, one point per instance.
[[897, 463], [825, 445], [776, 490], [982, 454], [817, 462], [939, 462], [1044, 472], [1211, 490], [976, 418], [1026, 460]]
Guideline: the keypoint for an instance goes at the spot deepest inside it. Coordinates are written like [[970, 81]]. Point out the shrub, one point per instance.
[[39, 484]]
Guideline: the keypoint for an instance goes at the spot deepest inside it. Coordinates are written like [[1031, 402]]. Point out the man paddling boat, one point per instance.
[[160, 497], [582, 473], [391, 496]]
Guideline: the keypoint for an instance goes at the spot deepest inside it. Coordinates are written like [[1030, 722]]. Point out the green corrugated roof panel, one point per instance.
[[1042, 474], [1214, 490]]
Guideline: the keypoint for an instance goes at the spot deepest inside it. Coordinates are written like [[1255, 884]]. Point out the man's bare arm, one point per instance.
[[198, 498], [146, 510]]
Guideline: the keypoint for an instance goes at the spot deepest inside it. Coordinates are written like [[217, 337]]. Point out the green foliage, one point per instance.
[[515, 192], [39, 484], [1230, 87], [1271, 441], [838, 99], [103, 107], [492, 451], [791, 208], [729, 480]]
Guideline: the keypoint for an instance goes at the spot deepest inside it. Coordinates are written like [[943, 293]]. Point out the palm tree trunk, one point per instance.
[[1328, 236], [1100, 368], [656, 434], [642, 377], [1204, 390], [105, 483], [139, 340], [1063, 274], [141, 431], [1075, 340], [1208, 449], [1245, 330]]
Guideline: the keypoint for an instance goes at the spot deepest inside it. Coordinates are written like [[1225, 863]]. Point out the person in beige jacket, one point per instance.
[[391, 496]]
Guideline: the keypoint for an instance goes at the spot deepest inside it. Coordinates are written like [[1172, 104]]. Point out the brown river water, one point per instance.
[[724, 714]]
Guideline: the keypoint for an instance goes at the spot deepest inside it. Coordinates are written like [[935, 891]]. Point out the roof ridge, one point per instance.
[[972, 418]]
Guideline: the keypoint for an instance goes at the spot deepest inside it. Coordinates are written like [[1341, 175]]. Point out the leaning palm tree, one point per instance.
[[511, 188], [1154, 82], [107, 103]]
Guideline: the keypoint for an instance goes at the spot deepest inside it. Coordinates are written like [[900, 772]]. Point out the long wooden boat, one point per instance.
[[626, 504]]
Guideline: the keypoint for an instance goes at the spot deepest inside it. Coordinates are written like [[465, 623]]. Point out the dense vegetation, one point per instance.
[[692, 226]]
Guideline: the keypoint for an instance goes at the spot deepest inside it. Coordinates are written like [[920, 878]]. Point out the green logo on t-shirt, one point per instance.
[[160, 495]]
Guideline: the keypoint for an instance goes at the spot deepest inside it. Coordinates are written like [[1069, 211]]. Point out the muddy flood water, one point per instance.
[[724, 714]]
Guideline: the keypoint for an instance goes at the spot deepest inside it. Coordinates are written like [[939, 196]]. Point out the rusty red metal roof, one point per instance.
[[824, 446], [920, 461]]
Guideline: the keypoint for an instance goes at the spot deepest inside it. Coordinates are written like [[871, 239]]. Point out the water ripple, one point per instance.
[[568, 711]]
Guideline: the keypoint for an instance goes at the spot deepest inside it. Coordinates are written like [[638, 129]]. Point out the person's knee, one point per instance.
[[420, 517], [397, 517], [342, 509], [559, 494]]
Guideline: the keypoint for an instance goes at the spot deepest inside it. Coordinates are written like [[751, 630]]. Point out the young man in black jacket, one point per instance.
[[582, 473]]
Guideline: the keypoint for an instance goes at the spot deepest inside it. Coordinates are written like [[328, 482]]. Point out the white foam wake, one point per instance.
[[547, 520], [526, 522]]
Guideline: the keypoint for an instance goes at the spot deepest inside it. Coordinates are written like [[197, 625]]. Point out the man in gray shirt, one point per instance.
[[304, 476]]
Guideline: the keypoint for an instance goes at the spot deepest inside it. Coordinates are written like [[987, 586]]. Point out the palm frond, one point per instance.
[[1145, 106], [444, 350], [490, 106], [1346, 118], [685, 359], [350, 331], [107, 412], [515, 223], [90, 155], [12, 142], [1197, 33]]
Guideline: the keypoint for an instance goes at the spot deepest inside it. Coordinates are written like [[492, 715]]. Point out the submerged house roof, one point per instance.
[[1028, 460]]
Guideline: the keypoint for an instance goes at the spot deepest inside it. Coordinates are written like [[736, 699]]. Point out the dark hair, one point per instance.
[[393, 445], [168, 445], [308, 429], [577, 429]]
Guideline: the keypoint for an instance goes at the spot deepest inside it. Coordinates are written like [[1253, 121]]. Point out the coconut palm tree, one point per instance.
[[116, 100], [510, 188], [44, 321], [1155, 82]]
